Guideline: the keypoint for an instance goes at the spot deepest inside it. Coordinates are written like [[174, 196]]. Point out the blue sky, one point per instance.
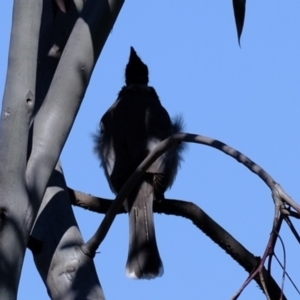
[[247, 97]]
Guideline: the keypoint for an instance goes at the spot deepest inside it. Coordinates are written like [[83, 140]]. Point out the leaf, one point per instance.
[[239, 8]]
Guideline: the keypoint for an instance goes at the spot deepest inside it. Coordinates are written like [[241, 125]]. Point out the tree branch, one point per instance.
[[62, 265], [199, 218], [55, 239], [57, 114], [278, 193]]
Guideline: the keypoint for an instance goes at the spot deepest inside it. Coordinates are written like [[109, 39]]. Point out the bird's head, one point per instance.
[[136, 71]]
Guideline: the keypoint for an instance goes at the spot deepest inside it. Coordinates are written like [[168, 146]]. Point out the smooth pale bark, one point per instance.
[[66, 271], [17, 107], [55, 120], [22, 184], [57, 114], [56, 239]]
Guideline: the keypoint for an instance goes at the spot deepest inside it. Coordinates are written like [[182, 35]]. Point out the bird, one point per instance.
[[129, 130]]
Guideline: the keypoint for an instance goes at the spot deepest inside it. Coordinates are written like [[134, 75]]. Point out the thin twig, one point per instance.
[[268, 252], [287, 274], [284, 263], [293, 229]]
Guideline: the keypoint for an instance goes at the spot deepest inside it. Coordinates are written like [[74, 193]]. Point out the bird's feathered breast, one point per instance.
[[132, 120]]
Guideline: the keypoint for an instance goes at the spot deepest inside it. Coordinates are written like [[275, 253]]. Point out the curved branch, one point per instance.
[[199, 218], [278, 193]]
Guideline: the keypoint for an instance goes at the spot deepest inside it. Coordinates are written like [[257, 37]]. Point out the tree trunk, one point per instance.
[[33, 132]]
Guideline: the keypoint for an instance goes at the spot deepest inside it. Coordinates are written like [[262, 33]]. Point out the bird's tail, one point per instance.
[[143, 261]]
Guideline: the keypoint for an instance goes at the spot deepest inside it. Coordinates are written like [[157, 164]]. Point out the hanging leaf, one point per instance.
[[239, 8]]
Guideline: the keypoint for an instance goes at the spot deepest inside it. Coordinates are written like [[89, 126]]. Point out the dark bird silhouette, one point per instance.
[[129, 131]]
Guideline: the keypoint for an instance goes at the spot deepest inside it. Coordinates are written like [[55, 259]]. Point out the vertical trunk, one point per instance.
[[17, 107], [23, 183]]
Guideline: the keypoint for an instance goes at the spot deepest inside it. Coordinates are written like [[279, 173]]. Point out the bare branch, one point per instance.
[[292, 228], [56, 245], [92, 203], [257, 272], [55, 118], [287, 274], [277, 192], [284, 264], [278, 195], [206, 224], [56, 28], [56, 248]]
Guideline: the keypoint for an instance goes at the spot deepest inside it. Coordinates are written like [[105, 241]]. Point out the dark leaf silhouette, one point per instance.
[[239, 8]]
